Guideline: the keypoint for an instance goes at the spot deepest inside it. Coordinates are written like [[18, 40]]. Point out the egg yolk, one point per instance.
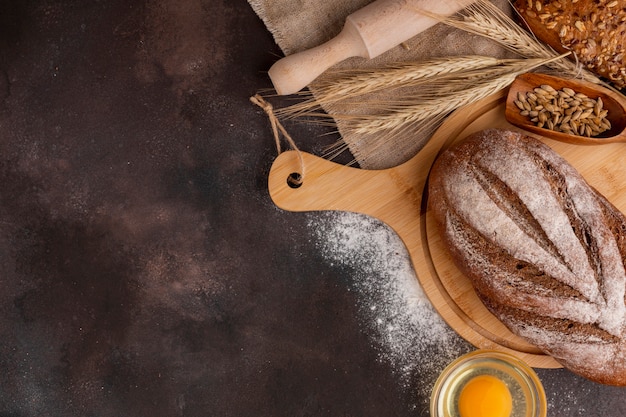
[[485, 396]]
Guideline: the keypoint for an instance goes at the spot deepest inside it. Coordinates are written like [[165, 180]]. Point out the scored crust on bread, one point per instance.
[[594, 30], [543, 249]]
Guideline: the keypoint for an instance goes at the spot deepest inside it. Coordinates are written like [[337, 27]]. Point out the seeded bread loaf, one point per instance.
[[595, 30], [544, 250]]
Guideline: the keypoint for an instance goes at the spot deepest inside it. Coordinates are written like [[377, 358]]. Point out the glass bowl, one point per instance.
[[528, 395]]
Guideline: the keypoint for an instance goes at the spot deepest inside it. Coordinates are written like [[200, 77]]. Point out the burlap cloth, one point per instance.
[[300, 24]]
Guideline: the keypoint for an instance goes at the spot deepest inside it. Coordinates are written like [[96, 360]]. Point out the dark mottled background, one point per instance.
[[144, 270]]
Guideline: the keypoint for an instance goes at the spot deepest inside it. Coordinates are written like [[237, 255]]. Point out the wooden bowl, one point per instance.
[[613, 102]]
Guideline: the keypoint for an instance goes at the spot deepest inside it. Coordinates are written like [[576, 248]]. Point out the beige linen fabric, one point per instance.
[[298, 25]]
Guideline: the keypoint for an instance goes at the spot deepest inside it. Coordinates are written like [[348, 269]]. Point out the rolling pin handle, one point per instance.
[[294, 72]]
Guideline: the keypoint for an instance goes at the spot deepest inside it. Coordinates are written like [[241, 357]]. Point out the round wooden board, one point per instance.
[[396, 196]]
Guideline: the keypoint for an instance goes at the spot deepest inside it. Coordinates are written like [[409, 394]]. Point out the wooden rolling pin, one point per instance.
[[367, 33]]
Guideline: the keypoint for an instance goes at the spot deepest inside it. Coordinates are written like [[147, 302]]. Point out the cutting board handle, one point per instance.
[[327, 185]]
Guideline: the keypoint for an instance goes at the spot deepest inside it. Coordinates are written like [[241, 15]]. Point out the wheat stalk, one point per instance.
[[434, 77], [435, 87], [425, 110], [399, 75], [485, 19], [461, 92], [348, 84]]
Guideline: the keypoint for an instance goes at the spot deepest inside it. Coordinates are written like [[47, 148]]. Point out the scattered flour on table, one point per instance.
[[405, 328], [407, 332]]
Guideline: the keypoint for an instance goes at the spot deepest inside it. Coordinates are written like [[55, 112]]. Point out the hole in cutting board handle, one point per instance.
[[294, 180]]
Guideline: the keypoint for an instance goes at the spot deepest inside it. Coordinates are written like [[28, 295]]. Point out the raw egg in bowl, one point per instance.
[[487, 383]]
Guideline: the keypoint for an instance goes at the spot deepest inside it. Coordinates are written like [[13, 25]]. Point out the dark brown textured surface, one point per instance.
[[144, 269]]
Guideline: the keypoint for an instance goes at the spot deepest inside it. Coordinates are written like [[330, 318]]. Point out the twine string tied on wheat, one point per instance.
[[277, 130]]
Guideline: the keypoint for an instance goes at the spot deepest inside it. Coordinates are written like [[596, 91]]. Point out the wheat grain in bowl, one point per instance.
[[564, 110]]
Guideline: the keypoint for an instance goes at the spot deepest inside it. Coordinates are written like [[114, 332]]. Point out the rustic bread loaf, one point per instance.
[[595, 30], [544, 250]]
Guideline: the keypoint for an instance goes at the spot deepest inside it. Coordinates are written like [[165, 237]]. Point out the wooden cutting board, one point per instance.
[[396, 197]]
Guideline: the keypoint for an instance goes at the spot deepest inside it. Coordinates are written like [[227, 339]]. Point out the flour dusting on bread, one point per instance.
[[544, 250]]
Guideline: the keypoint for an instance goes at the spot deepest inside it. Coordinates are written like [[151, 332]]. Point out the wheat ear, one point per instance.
[[469, 91], [485, 19], [342, 85]]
